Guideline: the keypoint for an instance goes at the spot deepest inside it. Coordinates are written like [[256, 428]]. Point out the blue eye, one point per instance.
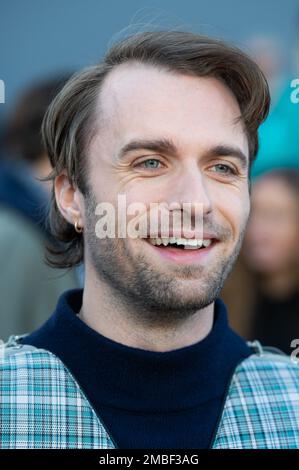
[[224, 169], [151, 164]]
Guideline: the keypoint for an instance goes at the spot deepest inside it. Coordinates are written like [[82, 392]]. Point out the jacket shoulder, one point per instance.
[[268, 359], [261, 409], [16, 358], [42, 405]]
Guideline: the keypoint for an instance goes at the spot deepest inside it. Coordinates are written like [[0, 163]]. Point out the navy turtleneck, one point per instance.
[[146, 399]]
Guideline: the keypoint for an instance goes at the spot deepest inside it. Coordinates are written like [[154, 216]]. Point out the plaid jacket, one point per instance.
[[42, 405]]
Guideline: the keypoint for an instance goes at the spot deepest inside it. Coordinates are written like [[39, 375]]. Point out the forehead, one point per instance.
[[140, 100]]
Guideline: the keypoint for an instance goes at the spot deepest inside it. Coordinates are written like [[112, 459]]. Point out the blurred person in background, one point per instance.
[[266, 280], [28, 287]]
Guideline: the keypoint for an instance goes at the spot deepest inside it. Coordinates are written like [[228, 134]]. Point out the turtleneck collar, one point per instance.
[[134, 379]]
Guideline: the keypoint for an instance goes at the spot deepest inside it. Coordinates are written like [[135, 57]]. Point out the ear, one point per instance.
[[69, 200]]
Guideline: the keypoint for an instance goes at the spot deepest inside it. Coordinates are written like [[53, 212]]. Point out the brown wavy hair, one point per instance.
[[69, 123]]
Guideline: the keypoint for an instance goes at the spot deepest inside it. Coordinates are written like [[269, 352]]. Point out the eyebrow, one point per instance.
[[157, 145], [168, 147], [228, 151]]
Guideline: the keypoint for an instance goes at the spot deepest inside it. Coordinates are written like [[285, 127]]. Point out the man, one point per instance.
[[144, 357]]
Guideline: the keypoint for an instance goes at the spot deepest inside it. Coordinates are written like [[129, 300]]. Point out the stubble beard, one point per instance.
[[153, 297]]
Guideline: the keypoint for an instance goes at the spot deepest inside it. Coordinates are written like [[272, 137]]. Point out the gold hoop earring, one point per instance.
[[78, 228]]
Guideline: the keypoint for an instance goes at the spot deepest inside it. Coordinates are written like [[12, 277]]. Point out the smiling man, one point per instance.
[[143, 357]]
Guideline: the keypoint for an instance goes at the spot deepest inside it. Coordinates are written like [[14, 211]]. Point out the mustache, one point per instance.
[[156, 220]]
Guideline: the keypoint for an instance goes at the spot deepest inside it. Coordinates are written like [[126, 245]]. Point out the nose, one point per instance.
[[190, 187]]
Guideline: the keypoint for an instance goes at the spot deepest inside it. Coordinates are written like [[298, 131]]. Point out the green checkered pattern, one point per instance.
[[262, 406], [42, 406]]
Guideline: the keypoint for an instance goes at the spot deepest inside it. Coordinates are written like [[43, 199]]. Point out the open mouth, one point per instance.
[[183, 250], [181, 243]]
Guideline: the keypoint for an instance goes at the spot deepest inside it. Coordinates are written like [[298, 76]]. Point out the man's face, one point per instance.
[[207, 162]]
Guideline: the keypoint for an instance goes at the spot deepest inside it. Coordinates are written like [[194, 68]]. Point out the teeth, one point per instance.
[[191, 244]]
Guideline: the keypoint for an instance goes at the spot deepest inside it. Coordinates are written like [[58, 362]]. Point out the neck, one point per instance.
[[107, 314]]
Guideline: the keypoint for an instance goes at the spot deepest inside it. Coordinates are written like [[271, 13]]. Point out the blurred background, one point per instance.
[[42, 43]]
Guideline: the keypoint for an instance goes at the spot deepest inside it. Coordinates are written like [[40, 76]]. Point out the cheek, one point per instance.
[[103, 186], [233, 207], [147, 190]]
